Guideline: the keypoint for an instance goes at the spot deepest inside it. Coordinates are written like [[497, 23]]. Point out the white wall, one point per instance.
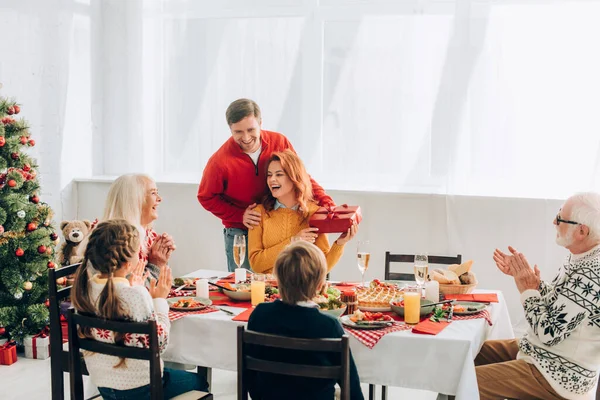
[[441, 225]]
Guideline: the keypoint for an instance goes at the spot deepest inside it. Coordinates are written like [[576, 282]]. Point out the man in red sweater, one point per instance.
[[234, 179]]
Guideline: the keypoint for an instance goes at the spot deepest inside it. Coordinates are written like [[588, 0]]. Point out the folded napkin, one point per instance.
[[429, 327], [244, 316], [476, 297]]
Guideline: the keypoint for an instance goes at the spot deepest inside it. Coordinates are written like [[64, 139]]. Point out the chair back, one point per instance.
[[248, 363], [76, 343], [410, 258], [59, 358]]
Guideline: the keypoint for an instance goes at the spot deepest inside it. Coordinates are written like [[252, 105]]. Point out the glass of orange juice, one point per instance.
[[412, 305], [257, 289]]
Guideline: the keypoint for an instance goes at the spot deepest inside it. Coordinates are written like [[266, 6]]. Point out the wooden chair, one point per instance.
[[410, 258], [247, 363], [151, 353], [59, 358]]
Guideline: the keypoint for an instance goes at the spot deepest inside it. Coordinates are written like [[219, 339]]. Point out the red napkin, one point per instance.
[[429, 327], [244, 316], [232, 303], [476, 297]]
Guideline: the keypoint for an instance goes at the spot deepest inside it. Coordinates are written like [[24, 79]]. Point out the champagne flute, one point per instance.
[[421, 269], [239, 249], [363, 256]]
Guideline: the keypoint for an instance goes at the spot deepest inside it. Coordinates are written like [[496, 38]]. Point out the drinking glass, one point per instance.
[[421, 269], [412, 304], [257, 289], [239, 249], [363, 255]]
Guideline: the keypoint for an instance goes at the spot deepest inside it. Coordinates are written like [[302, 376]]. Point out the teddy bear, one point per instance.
[[74, 232]]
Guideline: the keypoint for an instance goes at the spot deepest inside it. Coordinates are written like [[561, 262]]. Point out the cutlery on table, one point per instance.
[[181, 287], [441, 302], [226, 311], [219, 286]]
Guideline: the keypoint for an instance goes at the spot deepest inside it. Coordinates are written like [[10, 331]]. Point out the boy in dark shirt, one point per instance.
[[300, 270]]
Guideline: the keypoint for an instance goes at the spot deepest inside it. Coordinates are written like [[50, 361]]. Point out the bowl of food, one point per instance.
[[239, 291], [398, 307], [329, 302]]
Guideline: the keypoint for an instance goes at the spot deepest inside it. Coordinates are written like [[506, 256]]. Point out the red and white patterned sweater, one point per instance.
[[138, 306]]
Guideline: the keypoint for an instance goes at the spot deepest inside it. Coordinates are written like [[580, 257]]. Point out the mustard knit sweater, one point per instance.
[[275, 232]]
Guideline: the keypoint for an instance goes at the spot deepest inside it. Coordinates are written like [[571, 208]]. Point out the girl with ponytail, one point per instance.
[[112, 250]]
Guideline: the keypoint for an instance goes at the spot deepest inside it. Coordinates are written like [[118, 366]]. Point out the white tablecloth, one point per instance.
[[442, 363]]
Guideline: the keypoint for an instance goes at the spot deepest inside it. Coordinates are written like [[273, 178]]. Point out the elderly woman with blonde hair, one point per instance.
[[135, 198]]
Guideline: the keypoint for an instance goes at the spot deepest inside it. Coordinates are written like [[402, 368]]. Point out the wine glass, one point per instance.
[[239, 249], [363, 255], [421, 269]]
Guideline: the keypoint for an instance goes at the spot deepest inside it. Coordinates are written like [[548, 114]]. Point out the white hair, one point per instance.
[[125, 200], [586, 211]]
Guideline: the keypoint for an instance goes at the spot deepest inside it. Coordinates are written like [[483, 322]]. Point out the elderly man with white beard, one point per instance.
[[559, 355]]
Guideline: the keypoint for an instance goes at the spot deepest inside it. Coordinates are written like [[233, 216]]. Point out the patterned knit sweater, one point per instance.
[[137, 305], [563, 337], [275, 232]]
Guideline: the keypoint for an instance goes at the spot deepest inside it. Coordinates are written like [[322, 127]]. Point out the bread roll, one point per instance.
[[462, 268], [445, 276], [468, 278]]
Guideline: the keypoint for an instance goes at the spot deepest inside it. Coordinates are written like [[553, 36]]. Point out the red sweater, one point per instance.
[[231, 181]]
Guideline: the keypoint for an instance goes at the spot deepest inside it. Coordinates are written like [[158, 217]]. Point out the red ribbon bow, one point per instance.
[[332, 213], [8, 345]]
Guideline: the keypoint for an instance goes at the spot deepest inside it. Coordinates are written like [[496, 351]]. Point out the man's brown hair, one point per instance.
[[240, 109], [300, 270]]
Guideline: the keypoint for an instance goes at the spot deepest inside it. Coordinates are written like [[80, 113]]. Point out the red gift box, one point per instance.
[[8, 353], [335, 220]]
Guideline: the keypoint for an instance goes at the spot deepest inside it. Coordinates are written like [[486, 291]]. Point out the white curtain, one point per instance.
[[460, 98], [44, 65]]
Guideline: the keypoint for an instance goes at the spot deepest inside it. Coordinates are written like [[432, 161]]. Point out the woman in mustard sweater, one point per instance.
[[285, 212]]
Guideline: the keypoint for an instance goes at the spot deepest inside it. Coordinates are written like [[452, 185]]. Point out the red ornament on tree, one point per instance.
[[51, 265], [23, 139], [47, 303], [49, 251], [14, 156], [10, 110], [2, 141], [32, 226], [34, 199], [19, 252], [31, 142], [26, 167], [2, 331], [17, 109], [1, 230], [7, 120], [53, 236], [12, 183], [42, 249]]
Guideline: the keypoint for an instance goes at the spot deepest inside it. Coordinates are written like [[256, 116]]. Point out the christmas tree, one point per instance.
[[27, 236]]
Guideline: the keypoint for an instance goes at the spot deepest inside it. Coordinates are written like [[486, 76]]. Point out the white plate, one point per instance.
[[374, 309], [345, 320], [173, 300]]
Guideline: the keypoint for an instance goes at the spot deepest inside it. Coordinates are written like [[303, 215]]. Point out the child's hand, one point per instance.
[[162, 287], [139, 274]]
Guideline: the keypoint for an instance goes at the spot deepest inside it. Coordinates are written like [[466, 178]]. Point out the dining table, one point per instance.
[[441, 363]]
